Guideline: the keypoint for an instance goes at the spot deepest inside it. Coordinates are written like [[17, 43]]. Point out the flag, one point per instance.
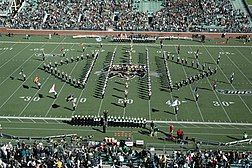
[[98, 39], [52, 90], [173, 103]]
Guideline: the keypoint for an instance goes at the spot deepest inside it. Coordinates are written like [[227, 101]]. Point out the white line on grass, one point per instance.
[[215, 92], [86, 82], [17, 68], [228, 80], [197, 104], [122, 44], [149, 86], [62, 87], [168, 70], [60, 90], [21, 84], [15, 55], [37, 90], [99, 111], [243, 55], [237, 67], [8, 120]]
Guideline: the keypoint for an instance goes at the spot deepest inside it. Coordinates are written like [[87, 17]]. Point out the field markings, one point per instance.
[[122, 44], [17, 69], [148, 121], [197, 104], [149, 84], [100, 106], [168, 70], [215, 91], [22, 83], [237, 67], [93, 62], [37, 90], [111, 131], [7, 50], [14, 56], [61, 88], [243, 55], [227, 80]]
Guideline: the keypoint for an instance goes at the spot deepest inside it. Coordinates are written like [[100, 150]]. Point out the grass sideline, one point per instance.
[[17, 52]]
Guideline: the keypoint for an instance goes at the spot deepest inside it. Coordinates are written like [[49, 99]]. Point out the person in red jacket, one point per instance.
[[180, 133]]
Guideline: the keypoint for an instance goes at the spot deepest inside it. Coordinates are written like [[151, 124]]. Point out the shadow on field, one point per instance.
[[204, 88], [25, 86], [234, 138], [169, 112], [154, 110], [222, 82], [119, 97], [117, 104], [97, 129], [119, 90], [55, 106], [67, 108], [50, 96], [190, 99]]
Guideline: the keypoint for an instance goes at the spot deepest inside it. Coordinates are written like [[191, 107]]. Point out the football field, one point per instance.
[[220, 115]]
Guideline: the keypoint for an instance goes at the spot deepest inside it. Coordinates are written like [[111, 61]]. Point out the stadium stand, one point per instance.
[[81, 152], [186, 15]]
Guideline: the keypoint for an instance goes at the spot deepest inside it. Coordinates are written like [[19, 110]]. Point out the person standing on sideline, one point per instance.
[[161, 44], [171, 129], [178, 49]]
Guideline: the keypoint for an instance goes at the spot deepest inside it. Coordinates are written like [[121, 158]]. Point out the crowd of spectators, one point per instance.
[[182, 15], [80, 153], [4, 6]]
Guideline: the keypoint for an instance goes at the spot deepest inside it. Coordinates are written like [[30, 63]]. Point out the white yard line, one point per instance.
[[197, 104], [99, 111], [61, 87], [80, 96], [122, 44], [37, 90], [149, 86], [15, 55], [219, 68], [237, 67], [244, 56], [17, 68], [216, 93], [149, 109], [168, 70], [22, 83]]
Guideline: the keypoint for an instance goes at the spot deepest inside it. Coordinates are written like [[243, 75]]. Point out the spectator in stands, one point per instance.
[[183, 15]]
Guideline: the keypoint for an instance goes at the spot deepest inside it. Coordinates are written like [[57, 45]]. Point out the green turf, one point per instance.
[[249, 2], [17, 52]]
